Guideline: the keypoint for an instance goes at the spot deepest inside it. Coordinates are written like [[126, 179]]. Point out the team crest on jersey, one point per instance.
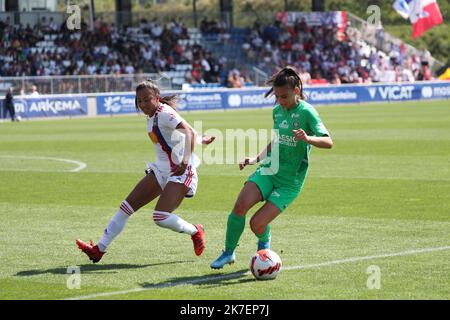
[[284, 124], [296, 124], [172, 116]]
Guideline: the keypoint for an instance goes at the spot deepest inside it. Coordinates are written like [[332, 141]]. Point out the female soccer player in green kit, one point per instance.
[[298, 127]]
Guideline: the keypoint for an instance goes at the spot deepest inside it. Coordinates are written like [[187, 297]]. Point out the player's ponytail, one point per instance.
[[286, 76], [170, 100]]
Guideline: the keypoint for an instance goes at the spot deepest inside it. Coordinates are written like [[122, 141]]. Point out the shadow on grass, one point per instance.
[[97, 268], [215, 280]]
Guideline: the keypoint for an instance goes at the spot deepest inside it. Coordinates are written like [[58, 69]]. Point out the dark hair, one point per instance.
[[286, 76], [150, 84]]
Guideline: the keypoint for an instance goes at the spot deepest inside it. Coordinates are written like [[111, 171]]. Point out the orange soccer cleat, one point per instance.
[[199, 240], [91, 250]]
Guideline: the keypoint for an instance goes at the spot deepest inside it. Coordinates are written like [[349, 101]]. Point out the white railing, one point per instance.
[[81, 83], [259, 76]]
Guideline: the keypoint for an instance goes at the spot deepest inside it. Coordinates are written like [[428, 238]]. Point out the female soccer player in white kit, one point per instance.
[[172, 176]]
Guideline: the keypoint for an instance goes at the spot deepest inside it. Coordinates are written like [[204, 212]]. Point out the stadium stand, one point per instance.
[[149, 48], [209, 57], [324, 55]]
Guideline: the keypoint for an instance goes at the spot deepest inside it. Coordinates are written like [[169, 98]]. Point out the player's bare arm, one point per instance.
[[324, 142], [180, 168], [253, 160], [207, 139]]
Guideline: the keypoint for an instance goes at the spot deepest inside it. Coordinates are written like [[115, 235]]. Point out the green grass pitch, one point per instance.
[[380, 197]]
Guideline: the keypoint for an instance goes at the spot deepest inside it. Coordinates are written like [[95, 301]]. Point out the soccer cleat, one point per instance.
[[263, 245], [227, 257], [91, 250], [199, 240]]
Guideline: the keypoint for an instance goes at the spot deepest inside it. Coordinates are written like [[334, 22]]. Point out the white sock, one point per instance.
[[115, 225], [173, 222]]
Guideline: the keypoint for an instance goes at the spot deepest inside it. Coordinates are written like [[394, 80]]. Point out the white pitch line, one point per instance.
[[235, 274], [81, 165], [388, 255]]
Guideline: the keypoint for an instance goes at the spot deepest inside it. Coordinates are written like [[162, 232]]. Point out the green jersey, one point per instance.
[[291, 157]]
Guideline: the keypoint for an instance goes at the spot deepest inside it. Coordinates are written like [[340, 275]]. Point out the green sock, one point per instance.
[[265, 236], [235, 227]]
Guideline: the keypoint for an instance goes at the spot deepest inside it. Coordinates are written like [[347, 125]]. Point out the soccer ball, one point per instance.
[[265, 264], [18, 118]]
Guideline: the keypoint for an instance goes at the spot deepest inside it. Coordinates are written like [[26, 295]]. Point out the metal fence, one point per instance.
[[81, 84], [259, 77]]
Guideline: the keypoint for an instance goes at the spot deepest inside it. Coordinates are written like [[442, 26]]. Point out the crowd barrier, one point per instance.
[[123, 103], [49, 106]]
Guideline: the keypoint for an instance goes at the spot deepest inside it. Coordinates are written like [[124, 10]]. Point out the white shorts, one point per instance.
[[189, 178]]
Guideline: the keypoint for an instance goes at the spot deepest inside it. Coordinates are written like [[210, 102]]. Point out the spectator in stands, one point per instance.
[[271, 32], [204, 25], [335, 79], [234, 79], [34, 91], [223, 74], [407, 74], [129, 69], [157, 31], [213, 26], [301, 26], [224, 36], [244, 75], [205, 66], [379, 34], [4, 24], [212, 76], [304, 75], [196, 73], [43, 25], [256, 27], [144, 25], [425, 73], [52, 26]]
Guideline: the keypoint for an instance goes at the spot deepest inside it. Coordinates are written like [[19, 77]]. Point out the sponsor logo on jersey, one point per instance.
[[287, 140], [275, 194]]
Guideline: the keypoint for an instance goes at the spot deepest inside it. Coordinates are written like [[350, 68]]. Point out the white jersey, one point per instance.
[[168, 142]]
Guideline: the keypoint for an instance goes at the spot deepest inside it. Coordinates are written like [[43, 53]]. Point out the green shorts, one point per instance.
[[280, 195]]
